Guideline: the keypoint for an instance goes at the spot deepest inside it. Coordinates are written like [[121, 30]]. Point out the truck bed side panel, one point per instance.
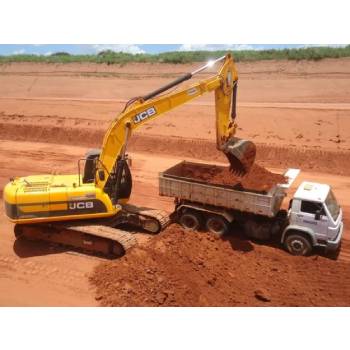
[[262, 204]]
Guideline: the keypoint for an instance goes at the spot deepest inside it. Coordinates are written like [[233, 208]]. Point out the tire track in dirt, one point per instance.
[[24, 267], [39, 275]]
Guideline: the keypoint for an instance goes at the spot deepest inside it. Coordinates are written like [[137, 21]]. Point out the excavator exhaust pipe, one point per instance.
[[240, 154]]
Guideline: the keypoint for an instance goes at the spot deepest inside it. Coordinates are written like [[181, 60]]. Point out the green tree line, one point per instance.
[[178, 57]]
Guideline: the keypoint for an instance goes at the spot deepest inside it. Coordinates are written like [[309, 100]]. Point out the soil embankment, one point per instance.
[[179, 268], [90, 134]]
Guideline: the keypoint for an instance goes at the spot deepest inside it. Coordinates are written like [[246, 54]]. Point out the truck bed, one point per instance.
[[172, 184]]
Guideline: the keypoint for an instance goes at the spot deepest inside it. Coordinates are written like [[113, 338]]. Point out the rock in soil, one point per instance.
[[262, 294]]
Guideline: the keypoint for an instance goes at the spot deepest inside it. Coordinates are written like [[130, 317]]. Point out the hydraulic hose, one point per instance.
[[180, 80]]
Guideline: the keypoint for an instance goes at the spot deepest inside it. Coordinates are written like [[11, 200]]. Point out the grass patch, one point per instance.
[[179, 57]]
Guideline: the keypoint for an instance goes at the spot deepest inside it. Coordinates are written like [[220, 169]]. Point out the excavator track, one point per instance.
[[103, 238], [96, 239], [151, 220]]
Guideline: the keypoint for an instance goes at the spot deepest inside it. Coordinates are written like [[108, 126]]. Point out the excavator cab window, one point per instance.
[[90, 165]]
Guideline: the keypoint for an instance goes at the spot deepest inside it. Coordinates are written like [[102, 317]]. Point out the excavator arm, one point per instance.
[[142, 110]]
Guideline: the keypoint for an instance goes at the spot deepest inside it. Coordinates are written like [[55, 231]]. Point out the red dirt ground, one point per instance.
[[297, 113], [180, 268]]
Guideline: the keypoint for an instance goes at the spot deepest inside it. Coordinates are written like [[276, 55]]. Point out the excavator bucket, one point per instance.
[[241, 155]]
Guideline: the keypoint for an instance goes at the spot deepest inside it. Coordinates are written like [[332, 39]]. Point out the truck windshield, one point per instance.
[[332, 205]]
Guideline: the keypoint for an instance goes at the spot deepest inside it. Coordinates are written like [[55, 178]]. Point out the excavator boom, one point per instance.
[[141, 110]]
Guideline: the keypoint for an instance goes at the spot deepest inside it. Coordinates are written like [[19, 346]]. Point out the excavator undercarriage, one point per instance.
[[102, 237]]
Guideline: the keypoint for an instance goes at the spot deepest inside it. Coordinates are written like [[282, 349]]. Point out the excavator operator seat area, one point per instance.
[[90, 165], [125, 186]]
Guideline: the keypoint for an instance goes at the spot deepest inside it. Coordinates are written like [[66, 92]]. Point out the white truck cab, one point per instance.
[[315, 219]]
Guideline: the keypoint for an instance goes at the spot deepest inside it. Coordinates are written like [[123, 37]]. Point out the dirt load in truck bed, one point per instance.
[[179, 268], [258, 179]]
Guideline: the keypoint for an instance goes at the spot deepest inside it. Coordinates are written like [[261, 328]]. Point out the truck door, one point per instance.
[[308, 218]]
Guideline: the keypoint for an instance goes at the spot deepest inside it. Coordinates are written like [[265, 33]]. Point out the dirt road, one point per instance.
[[51, 114]]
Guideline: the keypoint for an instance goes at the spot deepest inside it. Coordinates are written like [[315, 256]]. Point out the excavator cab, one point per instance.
[[117, 190]]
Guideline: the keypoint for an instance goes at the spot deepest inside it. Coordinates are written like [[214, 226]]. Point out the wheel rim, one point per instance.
[[297, 245], [216, 226], [189, 222]]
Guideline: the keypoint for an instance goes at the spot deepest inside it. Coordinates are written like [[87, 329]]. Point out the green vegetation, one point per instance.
[[110, 57], [60, 53]]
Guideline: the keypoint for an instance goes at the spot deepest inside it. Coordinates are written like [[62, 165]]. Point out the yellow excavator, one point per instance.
[[86, 210]]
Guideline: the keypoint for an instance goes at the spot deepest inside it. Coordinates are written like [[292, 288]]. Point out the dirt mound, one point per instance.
[[179, 268], [258, 179]]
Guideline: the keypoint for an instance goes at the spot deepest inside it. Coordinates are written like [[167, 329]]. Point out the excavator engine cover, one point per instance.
[[241, 155]]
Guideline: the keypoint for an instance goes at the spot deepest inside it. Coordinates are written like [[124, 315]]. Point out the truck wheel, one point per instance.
[[297, 244], [217, 225], [190, 221]]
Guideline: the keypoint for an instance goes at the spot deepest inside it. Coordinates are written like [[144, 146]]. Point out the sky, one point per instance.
[[48, 49]]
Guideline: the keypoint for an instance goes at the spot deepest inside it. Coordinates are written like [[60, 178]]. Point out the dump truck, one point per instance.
[[314, 218]]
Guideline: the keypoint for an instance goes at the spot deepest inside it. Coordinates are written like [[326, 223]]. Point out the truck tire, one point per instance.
[[190, 220], [298, 244], [217, 225]]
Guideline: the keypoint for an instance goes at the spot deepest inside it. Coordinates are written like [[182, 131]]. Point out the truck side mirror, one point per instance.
[[101, 175], [318, 214]]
